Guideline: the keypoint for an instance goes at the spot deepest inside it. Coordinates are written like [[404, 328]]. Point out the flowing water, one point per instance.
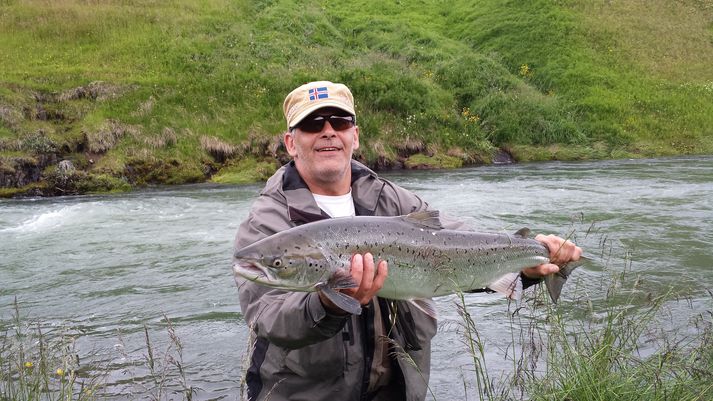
[[105, 268]]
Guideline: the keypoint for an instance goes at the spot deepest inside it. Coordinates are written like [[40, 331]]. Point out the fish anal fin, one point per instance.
[[425, 305], [341, 300], [509, 285], [426, 219]]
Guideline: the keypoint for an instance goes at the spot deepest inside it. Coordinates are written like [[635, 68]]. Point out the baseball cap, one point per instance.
[[316, 95]]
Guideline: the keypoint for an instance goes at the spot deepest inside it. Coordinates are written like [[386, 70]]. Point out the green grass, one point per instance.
[[601, 357], [43, 364], [37, 365], [587, 79], [615, 348], [245, 172]]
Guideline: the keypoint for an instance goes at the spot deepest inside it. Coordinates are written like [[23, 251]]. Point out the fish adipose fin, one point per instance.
[[523, 232], [426, 219]]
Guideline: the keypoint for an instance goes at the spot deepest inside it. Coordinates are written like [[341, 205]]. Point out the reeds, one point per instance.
[[621, 352], [36, 365], [166, 370], [615, 348], [40, 365]]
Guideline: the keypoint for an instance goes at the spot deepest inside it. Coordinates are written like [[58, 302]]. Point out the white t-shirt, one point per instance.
[[336, 206]]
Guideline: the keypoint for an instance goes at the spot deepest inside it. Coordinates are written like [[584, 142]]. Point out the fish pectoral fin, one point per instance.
[[509, 285], [342, 279], [425, 305], [341, 300]]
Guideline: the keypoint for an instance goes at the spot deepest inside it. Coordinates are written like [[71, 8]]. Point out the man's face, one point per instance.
[[323, 157]]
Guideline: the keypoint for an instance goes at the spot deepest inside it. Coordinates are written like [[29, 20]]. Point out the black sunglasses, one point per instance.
[[315, 124]]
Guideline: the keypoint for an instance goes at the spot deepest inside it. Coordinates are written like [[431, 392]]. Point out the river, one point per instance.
[[103, 268]]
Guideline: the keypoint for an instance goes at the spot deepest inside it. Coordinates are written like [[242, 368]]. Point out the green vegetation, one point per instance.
[[39, 363], [171, 92], [623, 353], [39, 366], [244, 172], [615, 348]]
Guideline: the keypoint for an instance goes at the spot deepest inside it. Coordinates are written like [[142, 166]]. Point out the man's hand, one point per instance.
[[370, 278], [561, 252]]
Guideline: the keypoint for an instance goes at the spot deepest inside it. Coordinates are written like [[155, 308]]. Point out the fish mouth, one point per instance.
[[252, 271]]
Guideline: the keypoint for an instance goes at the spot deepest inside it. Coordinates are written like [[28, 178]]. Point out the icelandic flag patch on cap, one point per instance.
[[318, 93]]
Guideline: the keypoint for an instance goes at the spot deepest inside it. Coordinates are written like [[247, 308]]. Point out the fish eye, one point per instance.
[[277, 262]]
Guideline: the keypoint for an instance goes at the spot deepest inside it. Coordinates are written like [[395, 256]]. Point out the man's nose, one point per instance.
[[328, 130]]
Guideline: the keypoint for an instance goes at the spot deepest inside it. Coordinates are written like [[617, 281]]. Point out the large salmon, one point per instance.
[[425, 260]]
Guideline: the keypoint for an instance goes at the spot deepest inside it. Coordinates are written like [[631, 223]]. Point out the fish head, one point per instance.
[[296, 264]]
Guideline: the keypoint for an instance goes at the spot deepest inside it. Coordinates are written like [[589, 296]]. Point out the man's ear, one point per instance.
[[289, 143], [356, 137]]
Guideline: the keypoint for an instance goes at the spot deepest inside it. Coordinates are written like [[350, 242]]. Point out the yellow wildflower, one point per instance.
[[60, 372], [525, 70], [29, 364]]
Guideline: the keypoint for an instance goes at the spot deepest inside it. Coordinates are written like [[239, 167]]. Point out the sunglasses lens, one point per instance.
[[316, 124], [341, 123], [311, 124]]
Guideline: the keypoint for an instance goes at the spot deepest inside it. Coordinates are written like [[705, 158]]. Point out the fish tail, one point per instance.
[[555, 281]]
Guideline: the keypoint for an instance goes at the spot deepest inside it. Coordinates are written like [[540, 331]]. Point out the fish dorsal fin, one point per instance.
[[426, 219], [523, 232]]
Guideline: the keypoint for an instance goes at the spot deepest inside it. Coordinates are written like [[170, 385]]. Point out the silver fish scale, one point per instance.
[[425, 262]]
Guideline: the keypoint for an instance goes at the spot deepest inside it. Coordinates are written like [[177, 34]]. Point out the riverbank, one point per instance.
[[112, 96]]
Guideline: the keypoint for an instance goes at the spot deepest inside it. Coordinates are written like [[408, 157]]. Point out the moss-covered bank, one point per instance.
[[112, 95]]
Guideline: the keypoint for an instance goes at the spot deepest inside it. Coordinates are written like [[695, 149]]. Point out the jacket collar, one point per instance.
[[301, 207]]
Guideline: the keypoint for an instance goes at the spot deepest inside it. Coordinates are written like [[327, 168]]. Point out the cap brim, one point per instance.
[[320, 105]]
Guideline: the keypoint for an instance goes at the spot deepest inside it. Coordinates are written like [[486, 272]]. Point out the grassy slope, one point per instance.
[[191, 87]]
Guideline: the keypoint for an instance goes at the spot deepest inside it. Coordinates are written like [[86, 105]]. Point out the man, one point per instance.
[[306, 347]]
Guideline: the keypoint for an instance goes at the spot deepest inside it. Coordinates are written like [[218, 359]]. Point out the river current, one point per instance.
[[109, 269]]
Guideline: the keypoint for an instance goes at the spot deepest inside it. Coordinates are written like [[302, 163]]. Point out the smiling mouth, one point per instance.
[[328, 149]]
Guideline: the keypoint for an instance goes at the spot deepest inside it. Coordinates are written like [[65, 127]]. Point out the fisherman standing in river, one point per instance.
[[306, 347]]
